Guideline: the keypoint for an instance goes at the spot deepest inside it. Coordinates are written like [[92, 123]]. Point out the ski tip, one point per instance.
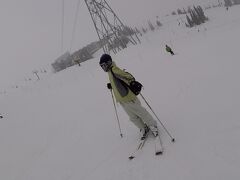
[[159, 153], [131, 157]]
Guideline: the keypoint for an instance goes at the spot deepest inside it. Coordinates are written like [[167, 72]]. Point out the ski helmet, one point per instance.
[[105, 62]]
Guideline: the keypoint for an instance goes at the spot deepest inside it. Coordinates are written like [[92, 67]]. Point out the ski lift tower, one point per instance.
[[112, 33]]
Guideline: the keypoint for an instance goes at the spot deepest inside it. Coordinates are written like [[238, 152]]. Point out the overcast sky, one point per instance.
[[30, 33]]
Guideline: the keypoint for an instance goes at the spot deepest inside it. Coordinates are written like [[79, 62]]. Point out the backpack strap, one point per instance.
[[121, 86]]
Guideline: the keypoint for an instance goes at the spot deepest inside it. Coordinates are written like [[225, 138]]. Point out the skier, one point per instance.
[[138, 115], [168, 49]]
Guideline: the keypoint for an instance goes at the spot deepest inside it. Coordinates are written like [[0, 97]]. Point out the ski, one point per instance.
[[139, 147], [158, 145]]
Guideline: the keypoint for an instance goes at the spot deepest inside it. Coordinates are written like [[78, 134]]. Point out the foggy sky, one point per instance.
[[30, 33]]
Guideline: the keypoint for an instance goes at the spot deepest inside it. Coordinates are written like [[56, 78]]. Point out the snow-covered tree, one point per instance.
[[197, 16], [158, 22], [236, 2], [189, 22], [228, 3], [151, 25]]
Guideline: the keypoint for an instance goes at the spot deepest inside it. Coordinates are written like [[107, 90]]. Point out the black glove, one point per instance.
[[136, 87], [109, 86]]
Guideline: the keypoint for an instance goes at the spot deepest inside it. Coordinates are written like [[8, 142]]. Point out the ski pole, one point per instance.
[[119, 127], [173, 140]]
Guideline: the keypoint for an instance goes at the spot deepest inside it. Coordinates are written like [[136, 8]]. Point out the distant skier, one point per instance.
[[168, 49], [138, 115], [1, 116]]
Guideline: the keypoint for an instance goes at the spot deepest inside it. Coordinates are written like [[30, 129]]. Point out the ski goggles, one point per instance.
[[106, 66]]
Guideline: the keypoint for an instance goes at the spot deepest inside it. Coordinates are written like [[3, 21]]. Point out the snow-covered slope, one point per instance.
[[64, 127]]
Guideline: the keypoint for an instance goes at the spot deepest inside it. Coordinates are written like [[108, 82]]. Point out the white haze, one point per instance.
[[31, 30]]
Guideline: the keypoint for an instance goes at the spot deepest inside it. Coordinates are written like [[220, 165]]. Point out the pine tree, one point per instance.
[[179, 11], [190, 23], [194, 17], [151, 25], [158, 23], [201, 14], [137, 31], [228, 3], [197, 16], [236, 2], [144, 30]]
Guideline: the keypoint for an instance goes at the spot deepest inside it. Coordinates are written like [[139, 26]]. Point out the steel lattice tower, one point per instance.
[[112, 33]]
